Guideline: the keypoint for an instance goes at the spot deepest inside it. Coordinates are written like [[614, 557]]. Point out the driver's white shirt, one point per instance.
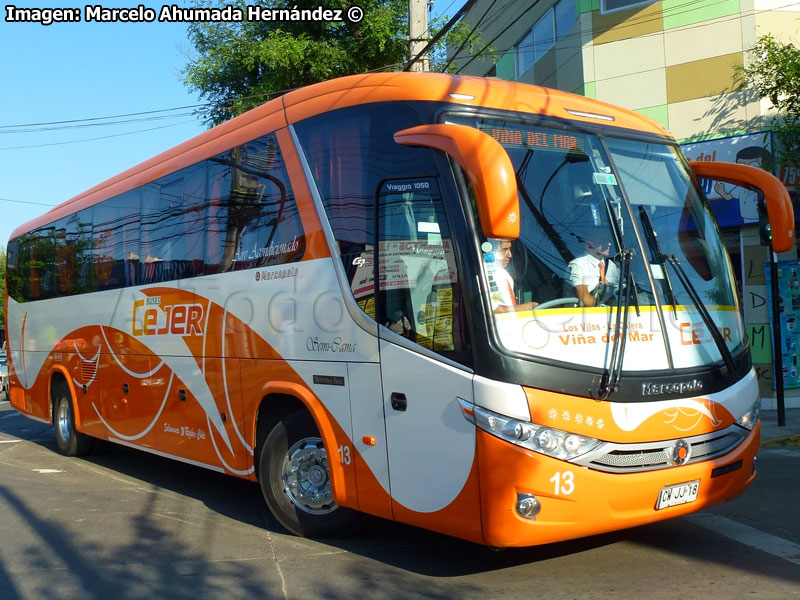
[[585, 270], [503, 295]]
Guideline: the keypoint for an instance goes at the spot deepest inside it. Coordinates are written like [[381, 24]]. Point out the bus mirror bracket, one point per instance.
[[487, 165], [776, 198]]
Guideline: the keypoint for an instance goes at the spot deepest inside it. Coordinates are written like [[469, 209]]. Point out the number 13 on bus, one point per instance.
[[455, 302]]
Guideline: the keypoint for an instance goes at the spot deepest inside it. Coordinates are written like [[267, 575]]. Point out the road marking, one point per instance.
[[48, 471], [10, 441], [750, 536], [782, 442]]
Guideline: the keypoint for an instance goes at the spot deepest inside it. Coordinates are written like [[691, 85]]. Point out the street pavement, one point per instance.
[[775, 436], [126, 524]]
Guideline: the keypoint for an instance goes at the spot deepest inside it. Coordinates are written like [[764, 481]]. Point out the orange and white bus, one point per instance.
[[382, 294]]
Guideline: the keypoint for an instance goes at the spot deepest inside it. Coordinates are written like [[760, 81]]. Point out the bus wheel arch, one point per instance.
[[294, 472], [69, 441]]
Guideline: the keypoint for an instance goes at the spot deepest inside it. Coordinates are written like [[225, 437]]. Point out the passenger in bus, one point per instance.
[[503, 298], [593, 276]]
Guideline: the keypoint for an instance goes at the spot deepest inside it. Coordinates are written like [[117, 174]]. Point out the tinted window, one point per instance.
[[235, 211], [253, 218], [42, 272], [358, 167], [419, 283], [13, 278], [79, 246], [116, 241]]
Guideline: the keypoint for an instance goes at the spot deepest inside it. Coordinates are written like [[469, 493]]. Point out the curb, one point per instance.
[[788, 441]]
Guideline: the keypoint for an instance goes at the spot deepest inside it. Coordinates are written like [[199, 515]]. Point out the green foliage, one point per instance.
[[238, 66], [465, 41], [774, 71]]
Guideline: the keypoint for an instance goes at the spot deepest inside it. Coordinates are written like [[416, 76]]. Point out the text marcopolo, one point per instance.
[[97, 13]]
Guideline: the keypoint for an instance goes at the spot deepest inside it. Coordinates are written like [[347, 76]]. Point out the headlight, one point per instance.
[[545, 440], [749, 419]]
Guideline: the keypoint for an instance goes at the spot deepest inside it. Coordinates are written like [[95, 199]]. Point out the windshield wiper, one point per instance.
[[609, 382], [663, 260], [658, 255], [704, 314]]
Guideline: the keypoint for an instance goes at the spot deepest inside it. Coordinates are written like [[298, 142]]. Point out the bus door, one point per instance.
[[430, 445]]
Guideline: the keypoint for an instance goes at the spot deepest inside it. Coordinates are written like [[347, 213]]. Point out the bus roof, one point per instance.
[[351, 91]]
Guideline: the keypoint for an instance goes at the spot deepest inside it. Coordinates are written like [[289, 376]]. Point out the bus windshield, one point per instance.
[[608, 223]]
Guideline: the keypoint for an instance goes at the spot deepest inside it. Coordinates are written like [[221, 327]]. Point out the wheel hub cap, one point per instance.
[[306, 479]]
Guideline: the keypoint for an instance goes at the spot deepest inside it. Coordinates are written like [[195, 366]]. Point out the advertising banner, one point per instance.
[[789, 313]]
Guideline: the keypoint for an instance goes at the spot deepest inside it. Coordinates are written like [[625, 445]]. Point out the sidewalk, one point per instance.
[[772, 435]]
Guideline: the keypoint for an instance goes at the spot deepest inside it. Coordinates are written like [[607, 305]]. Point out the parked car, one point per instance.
[[3, 374]]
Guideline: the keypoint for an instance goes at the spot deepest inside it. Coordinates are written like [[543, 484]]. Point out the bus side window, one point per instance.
[[80, 244], [252, 218], [116, 241], [337, 149], [418, 278], [149, 236], [13, 269], [220, 248]]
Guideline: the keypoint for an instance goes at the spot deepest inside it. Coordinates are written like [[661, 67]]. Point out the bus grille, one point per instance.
[[629, 458]]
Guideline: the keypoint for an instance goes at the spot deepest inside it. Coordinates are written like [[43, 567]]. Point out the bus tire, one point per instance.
[[69, 440], [295, 480]]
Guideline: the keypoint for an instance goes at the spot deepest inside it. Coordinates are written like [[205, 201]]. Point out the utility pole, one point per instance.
[[418, 34]]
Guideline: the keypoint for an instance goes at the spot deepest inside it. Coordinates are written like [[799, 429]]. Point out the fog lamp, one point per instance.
[[528, 506]]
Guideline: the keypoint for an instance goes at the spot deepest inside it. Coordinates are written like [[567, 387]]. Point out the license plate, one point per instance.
[[673, 495]]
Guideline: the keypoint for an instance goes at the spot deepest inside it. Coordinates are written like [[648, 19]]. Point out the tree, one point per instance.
[[774, 71], [238, 65]]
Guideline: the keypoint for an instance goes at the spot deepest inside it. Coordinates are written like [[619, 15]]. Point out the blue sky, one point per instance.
[[69, 71]]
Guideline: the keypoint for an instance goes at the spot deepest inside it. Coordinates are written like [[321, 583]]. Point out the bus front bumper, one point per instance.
[[571, 501]]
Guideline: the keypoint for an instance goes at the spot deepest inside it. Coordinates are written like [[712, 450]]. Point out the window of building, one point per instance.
[[607, 6], [524, 54], [565, 14], [552, 26], [544, 35]]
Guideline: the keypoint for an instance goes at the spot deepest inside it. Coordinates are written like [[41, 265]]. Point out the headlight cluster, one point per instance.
[[749, 419], [545, 440]]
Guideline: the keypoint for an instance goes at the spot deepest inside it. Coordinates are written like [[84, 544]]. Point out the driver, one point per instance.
[[590, 273], [503, 299]]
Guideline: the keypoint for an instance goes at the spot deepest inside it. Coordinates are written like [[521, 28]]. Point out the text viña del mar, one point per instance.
[[96, 13]]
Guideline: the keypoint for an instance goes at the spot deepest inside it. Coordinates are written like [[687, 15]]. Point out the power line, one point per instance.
[[26, 202], [471, 33], [104, 137], [106, 124], [136, 114], [494, 39]]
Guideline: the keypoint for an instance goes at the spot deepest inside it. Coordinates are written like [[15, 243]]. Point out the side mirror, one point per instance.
[[776, 198], [488, 167]]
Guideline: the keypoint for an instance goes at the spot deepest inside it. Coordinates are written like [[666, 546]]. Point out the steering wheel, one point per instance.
[[557, 302]]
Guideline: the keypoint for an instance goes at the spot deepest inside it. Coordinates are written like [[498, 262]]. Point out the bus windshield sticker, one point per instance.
[[604, 178]]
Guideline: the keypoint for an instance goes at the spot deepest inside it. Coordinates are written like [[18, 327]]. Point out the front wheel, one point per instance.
[[69, 440], [295, 480]]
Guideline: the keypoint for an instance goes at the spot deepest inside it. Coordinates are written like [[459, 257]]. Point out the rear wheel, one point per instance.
[[295, 480], [70, 442]]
